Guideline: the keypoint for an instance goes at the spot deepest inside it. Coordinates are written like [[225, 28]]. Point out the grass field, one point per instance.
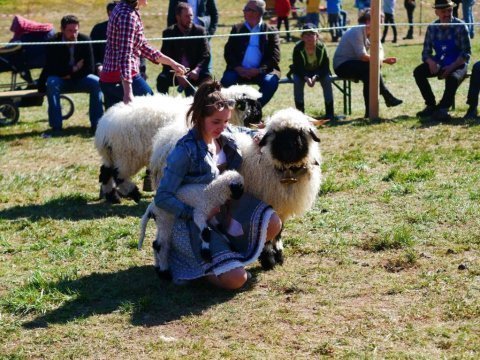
[[386, 264]]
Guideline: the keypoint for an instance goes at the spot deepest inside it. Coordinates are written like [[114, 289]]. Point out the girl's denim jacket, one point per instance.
[[190, 162]]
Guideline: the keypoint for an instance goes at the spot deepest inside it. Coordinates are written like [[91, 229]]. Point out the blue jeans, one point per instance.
[[268, 83], [113, 92], [57, 86], [299, 86], [467, 7]]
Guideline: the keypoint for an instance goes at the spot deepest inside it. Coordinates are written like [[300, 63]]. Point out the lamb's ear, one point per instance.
[[263, 142], [313, 135]]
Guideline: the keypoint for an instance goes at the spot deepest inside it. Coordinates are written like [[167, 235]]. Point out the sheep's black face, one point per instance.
[[237, 190], [252, 111], [289, 145]]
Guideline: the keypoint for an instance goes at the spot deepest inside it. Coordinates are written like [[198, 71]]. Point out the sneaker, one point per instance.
[[392, 101], [428, 111], [441, 114], [51, 133], [471, 114]]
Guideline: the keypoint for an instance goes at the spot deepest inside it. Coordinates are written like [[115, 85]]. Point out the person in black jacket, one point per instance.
[[70, 68], [253, 59], [192, 53], [99, 32]]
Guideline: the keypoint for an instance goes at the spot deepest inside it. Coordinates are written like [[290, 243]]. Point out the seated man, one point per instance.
[[253, 59], [191, 53], [452, 53], [311, 64], [70, 68]]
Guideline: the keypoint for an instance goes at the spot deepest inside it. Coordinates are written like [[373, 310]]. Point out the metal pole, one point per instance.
[[374, 81]]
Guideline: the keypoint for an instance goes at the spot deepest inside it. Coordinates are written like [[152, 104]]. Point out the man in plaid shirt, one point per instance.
[[451, 44], [120, 78]]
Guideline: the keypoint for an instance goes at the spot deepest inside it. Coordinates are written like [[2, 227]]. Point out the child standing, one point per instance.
[[313, 12], [334, 19], [282, 9], [389, 11]]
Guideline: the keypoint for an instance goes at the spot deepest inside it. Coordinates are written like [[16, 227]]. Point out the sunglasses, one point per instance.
[[247, 9], [220, 105]]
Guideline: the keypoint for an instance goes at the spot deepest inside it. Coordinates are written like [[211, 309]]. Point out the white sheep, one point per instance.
[[203, 198], [125, 132], [283, 170]]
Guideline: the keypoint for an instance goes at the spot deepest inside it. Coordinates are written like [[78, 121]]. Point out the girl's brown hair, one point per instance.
[[207, 94]]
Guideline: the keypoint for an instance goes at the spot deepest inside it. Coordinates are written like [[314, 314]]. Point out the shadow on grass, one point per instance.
[[79, 131], [74, 207], [136, 290], [455, 121]]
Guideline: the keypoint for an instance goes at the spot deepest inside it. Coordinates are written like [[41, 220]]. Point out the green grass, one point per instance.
[[385, 265]]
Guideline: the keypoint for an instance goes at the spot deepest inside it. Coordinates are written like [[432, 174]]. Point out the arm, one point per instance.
[[298, 62], [177, 167], [230, 53], [271, 57]]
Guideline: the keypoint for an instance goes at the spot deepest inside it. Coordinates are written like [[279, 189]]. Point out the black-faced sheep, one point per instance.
[[125, 133], [203, 198], [283, 169]]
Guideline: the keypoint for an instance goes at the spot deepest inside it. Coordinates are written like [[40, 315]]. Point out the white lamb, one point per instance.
[[283, 170], [125, 132], [203, 198]]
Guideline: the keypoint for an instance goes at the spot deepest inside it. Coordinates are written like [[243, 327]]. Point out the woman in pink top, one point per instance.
[[120, 77]]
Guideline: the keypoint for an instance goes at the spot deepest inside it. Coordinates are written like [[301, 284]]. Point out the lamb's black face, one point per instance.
[[290, 145], [252, 109]]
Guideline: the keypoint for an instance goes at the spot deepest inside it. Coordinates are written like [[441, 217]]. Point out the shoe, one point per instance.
[[51, 133], [441, 115], [391, 101], [394, 41], [428, 111], [408, 37], [471, 114]]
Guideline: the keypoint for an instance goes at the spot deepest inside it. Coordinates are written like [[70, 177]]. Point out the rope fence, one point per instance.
[[155, 39]]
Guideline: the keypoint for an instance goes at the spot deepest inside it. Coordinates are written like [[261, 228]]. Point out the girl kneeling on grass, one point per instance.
[[199, 157]]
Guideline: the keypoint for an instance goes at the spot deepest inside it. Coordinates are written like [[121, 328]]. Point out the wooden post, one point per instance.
[[374, 58]]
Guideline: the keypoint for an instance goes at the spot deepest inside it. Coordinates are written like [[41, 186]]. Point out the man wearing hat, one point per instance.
[[446, 52], [253, 59]]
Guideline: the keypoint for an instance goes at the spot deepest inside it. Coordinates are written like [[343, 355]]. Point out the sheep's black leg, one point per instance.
[[162, 274], [147, 181], [112, 197], [278, 248], [267, 257]]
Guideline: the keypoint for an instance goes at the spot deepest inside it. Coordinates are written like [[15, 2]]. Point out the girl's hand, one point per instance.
[[213, 212]]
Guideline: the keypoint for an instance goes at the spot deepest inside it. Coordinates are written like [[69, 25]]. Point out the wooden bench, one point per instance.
[[343, 85]]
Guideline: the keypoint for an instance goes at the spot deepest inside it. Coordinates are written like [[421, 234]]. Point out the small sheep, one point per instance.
[[203, 198], [283, 170], [125, 132]]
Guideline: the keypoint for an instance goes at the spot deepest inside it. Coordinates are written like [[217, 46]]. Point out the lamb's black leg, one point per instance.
[[205, 251]]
